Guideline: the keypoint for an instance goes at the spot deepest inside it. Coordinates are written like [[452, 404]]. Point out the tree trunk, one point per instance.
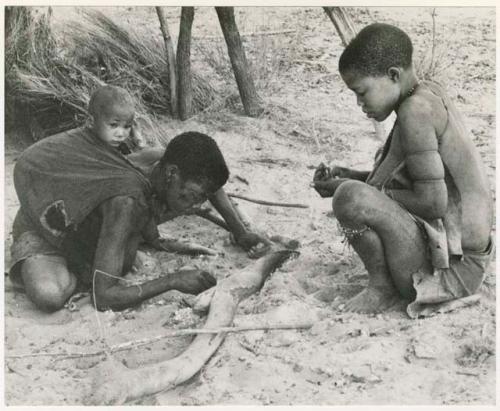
[[171, 67], [249, 97], [347, 31], [184, 84], [342, 22]]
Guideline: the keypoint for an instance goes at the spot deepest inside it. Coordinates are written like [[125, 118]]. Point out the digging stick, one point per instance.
[[185, 87], [347, 31], [170, 60], [249, 97]]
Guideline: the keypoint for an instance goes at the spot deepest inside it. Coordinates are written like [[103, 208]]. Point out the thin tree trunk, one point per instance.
[[346, 30], [184, 84], [342, 22], [171, 67], [249, 97]]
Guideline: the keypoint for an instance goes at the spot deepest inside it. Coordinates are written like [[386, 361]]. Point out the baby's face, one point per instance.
[[114, 125], [377, 96]]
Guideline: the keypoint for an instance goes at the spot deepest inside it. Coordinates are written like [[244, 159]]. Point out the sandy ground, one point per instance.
[[310, 117]]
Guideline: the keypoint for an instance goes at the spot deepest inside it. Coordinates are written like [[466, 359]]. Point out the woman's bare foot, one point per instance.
[[372, 300]]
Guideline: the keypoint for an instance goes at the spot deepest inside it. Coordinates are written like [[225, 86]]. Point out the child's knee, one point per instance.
[[350, 200]]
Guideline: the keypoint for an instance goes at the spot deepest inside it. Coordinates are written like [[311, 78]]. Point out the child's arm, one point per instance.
[[428, 198]]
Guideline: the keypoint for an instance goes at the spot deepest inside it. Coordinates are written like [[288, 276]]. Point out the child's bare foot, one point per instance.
[[372, 300]]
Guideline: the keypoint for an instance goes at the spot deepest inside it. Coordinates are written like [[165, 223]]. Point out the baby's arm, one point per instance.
[[428, 197]]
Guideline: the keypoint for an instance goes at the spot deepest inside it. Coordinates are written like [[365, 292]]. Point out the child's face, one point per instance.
[[114, 126], [377, 96]]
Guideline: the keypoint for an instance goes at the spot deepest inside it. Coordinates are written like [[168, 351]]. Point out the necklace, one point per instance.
[[412, 90], [408, 94]]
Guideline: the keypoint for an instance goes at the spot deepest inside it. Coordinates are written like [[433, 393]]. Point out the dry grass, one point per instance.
[[48, 86], [433, 63], [49, 80], [265, 55]]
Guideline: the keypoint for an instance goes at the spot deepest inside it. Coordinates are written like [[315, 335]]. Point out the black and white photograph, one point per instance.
[[241, 205]]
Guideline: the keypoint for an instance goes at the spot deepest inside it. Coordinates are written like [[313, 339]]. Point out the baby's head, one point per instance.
[[375, 65], [112, 111]]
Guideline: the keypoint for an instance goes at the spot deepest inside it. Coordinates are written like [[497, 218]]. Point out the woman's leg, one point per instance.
[[47, 281]]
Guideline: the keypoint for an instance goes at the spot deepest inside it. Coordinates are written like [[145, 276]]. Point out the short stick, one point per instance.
[[268, 203]]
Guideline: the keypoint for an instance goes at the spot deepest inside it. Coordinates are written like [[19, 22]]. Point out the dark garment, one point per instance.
[[77, 243], [61, 179]]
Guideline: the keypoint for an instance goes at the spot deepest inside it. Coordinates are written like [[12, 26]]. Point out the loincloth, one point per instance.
[[28, 242], [463, 278]]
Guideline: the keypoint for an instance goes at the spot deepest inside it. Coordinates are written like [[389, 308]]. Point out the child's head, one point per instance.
[[373, 66], [112, 110], [194, 168]]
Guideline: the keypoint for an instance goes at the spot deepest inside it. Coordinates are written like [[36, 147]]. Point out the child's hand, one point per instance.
[[340, 172], [326, 179], [322, 173], [327, 188]]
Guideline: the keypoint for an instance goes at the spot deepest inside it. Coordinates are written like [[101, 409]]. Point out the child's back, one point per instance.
[[463, 162], [469, 215]]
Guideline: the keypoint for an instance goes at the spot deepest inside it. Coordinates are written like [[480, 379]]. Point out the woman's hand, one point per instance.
[[255, 244]]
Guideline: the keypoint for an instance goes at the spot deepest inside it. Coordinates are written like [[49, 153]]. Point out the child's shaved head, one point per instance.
[[375, 49], [105, 98]]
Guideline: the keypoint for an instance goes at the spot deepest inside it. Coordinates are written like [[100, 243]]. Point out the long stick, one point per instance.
[[253, 34], [177, 333], [184, 84], [346, 30], [170, 60], [268, 203], [342, 22], [248, 93]]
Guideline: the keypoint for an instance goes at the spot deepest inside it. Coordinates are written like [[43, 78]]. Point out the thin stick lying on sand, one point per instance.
[[268, 203], [254, 34], [176, 333]]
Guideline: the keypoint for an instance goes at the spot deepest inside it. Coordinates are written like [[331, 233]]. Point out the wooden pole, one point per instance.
[[249, 97], [171, 66], [342, 22], [184, 84], [346, 30]]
